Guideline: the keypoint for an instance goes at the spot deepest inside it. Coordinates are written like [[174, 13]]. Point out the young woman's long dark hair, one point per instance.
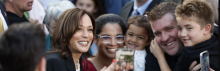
[[65, 28]]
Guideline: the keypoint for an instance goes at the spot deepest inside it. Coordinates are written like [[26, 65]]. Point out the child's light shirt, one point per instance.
[[139, 60]]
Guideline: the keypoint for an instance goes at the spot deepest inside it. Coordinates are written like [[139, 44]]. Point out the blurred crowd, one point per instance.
[[83, 35]]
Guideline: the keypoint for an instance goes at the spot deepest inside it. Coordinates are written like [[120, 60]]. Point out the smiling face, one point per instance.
[[88, 5], [166, 34], [105, 49], [190, 32], [22, 5], [82, 39], [136, 37]]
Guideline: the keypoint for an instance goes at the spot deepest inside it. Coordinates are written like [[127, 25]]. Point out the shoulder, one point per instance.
[[129, 3], [54, 58], [55, 62], [91, 67], [151, 62]]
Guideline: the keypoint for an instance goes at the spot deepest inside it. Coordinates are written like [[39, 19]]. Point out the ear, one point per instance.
[[95, 10], [42, 65], [148, 43], [207, 29]]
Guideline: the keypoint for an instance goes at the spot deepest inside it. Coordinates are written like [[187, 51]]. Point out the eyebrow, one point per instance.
[[109, 35], [82, 25], [187, 25]]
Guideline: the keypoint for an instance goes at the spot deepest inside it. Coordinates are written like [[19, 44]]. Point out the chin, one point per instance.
[[111, 56]]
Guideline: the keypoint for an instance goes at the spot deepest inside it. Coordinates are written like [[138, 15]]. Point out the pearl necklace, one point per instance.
[[78, 66]]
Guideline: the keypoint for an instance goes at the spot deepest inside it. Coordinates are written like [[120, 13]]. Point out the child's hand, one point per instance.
[[156, 50], [194, 67]]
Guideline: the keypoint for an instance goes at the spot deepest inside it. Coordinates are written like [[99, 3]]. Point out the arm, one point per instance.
[[159, 54]]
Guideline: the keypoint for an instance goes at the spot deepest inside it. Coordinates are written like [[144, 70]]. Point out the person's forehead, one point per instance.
[[111, 29], [165, 21]]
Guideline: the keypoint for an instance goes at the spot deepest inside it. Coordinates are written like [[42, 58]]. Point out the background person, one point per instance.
[[22, 48], [53, 12]]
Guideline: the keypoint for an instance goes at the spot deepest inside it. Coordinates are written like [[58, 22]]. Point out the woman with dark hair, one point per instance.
[[108, 28], [71, 40], [93, 6]]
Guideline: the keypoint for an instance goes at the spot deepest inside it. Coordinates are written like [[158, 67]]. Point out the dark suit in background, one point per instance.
[[56, 63], [128, 8]]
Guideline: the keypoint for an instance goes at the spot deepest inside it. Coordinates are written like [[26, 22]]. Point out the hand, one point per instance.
[[194, 67], [110, 67], [156, 50]]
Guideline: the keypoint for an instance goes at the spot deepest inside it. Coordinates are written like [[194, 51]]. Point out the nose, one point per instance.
[[113, 42], [182, 33], [133, 39], [165, 37], [85, 34]]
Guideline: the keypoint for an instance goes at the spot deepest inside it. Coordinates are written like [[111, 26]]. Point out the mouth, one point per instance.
[[83, 43], [132, 46], [111, 50], [169, 44], [30, 3], [184, 40]]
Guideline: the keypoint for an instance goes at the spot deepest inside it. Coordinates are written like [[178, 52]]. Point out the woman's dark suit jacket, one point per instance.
[[56, 63]]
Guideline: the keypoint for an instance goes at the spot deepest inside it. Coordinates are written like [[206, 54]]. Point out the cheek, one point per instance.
[[158, 40], [91, 35]]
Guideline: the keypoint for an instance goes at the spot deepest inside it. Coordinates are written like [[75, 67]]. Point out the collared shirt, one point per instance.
[[5, 26], [142, 8]]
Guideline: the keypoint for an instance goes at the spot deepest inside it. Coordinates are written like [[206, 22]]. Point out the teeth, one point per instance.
[[132, 45], [112, 49], [83, 42], [170, 44]]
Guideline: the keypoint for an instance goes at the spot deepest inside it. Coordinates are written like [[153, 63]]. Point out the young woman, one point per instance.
[[108, 28], [71, 40]]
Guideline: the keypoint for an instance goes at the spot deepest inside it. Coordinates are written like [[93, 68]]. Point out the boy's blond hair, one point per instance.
[[198, 11]]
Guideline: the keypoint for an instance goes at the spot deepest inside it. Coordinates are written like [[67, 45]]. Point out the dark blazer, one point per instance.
[[3, 11], [56, 63], [128, 8]]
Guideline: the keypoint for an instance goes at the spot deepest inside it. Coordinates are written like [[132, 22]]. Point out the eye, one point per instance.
[[140, 38], [90, 29], [157, 34], [130, 34], [119, 37], [169, 29], [189, 28], [81, 4], [106, 38], [88, 5], [179, 28], [79, 29]]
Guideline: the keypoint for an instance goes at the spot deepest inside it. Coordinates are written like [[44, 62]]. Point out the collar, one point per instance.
[[70, 64], [142, 8], [3, 21]]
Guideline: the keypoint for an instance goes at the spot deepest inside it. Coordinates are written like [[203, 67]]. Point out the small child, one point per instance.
[[138, 37], [195, 22]]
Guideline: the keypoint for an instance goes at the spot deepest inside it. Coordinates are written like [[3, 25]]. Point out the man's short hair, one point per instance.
[[197, 10], [160, 10], [22, 47]]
